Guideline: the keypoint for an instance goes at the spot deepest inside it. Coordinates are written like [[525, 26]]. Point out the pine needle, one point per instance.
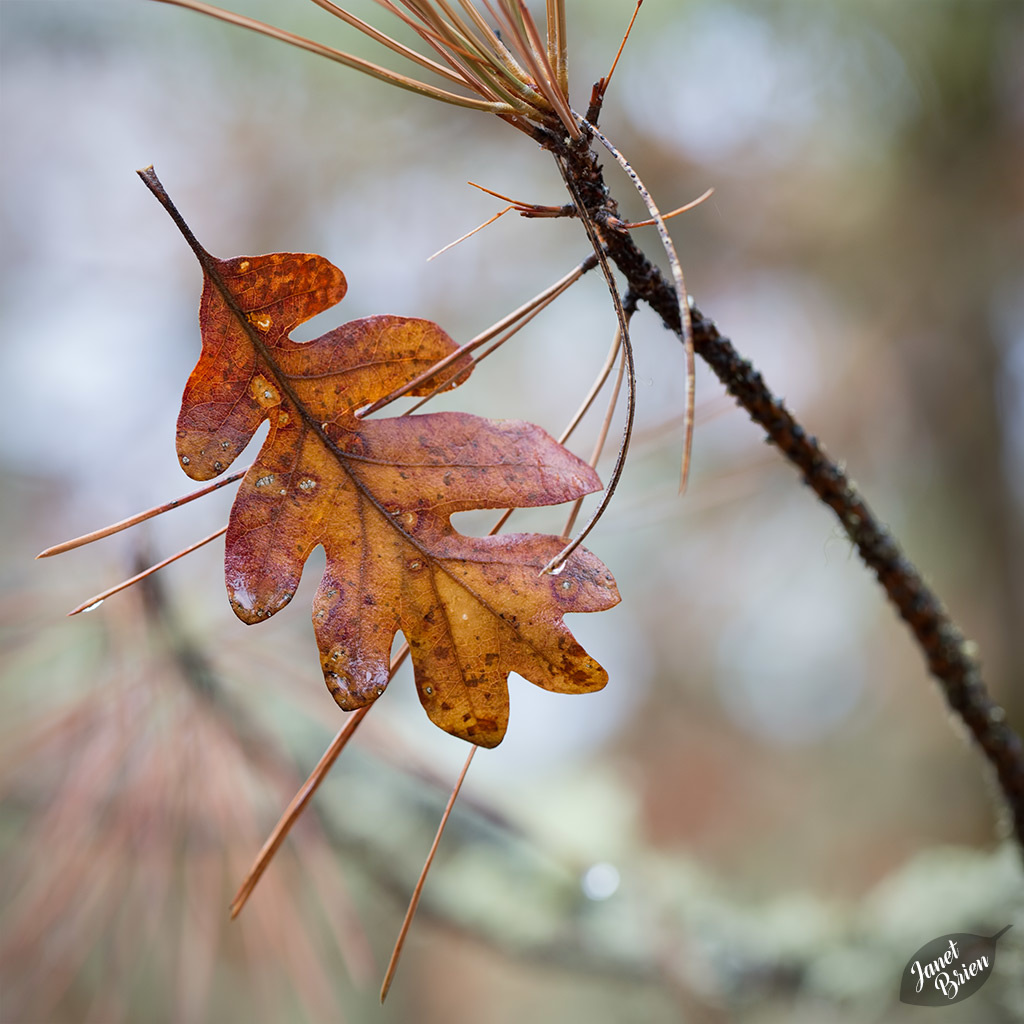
[[300, 801], [414, 902], [356, 63], [469, 234], [140, 517], [97, 599]]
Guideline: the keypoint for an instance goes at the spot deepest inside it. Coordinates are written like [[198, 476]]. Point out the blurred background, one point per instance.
[[768, 809]]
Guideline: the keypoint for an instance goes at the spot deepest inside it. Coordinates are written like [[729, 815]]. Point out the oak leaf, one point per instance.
[[378, 494]]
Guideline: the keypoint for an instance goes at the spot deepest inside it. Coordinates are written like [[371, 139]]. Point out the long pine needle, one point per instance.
[[615, 63], [414, 902], [301, 799], [356, 63], [527, 310], [97, 599], [139, 517], [681, 296]]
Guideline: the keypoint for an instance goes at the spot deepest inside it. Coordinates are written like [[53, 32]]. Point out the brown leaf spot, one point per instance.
[[265, 393]]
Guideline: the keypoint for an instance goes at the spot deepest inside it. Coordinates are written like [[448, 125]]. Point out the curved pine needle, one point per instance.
[[97, 599], [139, 517], [414, 902], [595, 389], [602, 436], [627, 347], [681, 296]]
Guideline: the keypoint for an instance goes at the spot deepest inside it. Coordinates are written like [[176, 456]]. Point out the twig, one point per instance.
[[951, 658]]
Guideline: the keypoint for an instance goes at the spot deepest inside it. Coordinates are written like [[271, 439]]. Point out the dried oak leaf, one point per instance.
[[378, 494]]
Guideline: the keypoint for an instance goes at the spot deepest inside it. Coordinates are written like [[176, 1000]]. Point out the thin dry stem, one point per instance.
[[414, 902], [97, 599], [140, 517]]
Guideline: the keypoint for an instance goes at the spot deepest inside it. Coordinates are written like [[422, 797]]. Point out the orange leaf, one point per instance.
[[378, 494]]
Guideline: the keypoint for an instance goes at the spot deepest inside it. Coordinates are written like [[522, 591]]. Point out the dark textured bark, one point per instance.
[[951, 658]]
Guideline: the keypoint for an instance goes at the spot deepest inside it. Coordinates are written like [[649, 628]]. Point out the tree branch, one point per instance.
[[951, 658]]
